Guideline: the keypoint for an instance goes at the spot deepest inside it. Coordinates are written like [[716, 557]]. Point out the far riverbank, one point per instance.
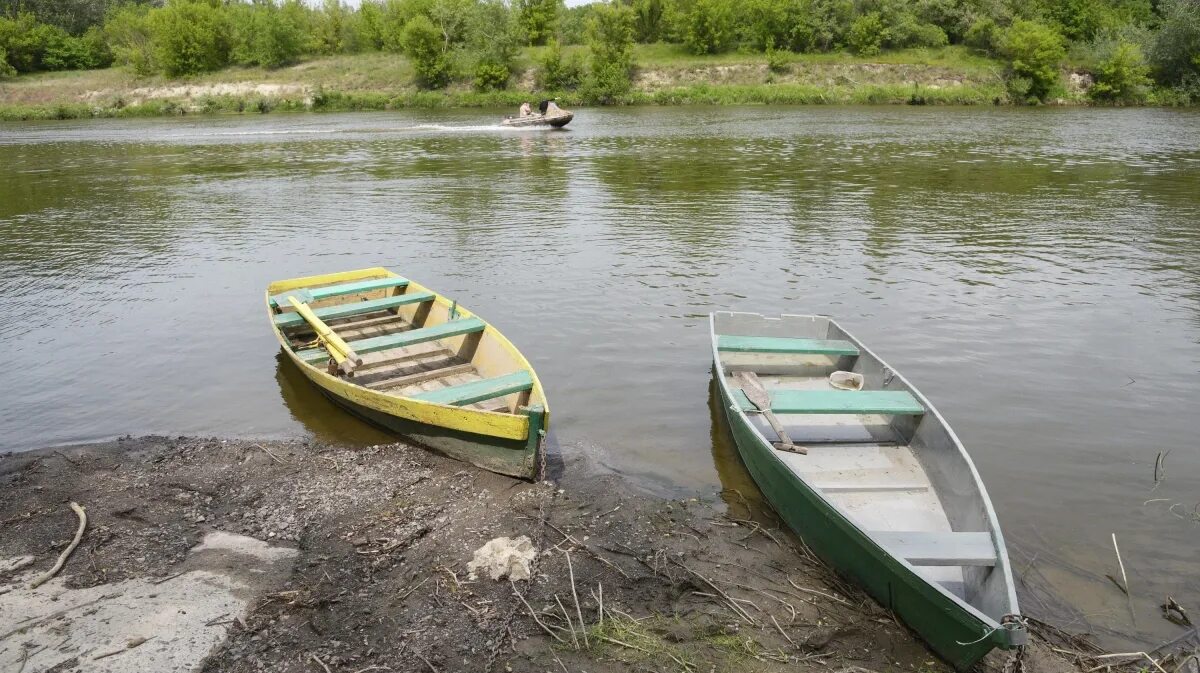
[[377, 81]]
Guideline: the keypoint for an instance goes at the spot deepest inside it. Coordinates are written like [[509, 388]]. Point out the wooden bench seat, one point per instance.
[[309, 295], [888, 402], [362, 346], [756, 344], [925, 548], [479, 391], [328, 313]]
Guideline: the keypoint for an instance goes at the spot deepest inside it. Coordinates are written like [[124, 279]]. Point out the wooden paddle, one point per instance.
[[757, 394]]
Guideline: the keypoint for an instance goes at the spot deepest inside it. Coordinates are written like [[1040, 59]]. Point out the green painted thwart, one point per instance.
[[308, 295], [893, 402], [479, 391], [957, 634], [355, 308], [757, 344], [363, 346]]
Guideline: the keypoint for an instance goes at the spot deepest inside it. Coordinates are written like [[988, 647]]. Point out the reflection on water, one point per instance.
[[1035, 272]]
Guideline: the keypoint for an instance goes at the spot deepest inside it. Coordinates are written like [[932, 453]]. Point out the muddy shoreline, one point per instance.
[[238, 555]]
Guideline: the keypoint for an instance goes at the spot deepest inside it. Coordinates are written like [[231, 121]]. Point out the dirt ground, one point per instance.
[[375, 578]]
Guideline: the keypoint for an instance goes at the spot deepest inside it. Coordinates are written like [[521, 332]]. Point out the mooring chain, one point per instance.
[[1016, 662], [506, 623]]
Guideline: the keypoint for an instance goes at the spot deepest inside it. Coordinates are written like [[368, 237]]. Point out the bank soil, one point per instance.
[[204, 554]]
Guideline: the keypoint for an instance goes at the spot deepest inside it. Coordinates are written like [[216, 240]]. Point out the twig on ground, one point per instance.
[[62, 558], [589, 550], [622, 643], [575, 595], [831, 597], [570, 624], [1134, 655], [422, 658], [413, 588], [757, 528], [1174, 612], [782, 632], [600, 602], [315, 658], [67, 458], [1160, 468], [534, 614], [278, 460], [133, 642], [1125, 579], [732, 603]]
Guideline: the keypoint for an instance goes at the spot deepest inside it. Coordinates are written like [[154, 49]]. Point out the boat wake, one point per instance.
[[417, 128]]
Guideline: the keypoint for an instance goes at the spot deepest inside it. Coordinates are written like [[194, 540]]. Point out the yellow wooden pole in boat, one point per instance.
[[345, 356]]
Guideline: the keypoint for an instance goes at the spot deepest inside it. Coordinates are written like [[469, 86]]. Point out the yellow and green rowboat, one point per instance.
[[414, 362]]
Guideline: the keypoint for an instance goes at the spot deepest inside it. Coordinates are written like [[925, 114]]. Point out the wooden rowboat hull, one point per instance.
[[419, 365], [511, 457], [962, 624]]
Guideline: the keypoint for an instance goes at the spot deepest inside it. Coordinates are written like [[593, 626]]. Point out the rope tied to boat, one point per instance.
[[1009, 622]]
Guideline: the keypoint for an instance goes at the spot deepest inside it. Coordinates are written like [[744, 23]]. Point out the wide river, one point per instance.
[[1036, 273]]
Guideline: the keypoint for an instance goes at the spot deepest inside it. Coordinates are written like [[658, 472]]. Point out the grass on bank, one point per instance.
[[667, 75]]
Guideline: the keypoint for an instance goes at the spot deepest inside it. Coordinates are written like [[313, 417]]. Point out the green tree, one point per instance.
[[424, 45], [983, 35], [6, 69], [496, 38], [573, 24], [1175, 53], [827, 23], [710, 27], [1122, 77], [610, 41], [127, 32], [189, 36], [369, 25], [333, 29], [24, 40], [867, 34], [539, 18], [650, 19], [265, 34], [556, 73], [73, 16], [1034, 52]]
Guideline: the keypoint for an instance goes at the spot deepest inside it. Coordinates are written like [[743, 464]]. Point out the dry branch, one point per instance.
[[62, 558]]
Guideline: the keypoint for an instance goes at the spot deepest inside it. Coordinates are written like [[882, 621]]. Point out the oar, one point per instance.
[[757, 394]]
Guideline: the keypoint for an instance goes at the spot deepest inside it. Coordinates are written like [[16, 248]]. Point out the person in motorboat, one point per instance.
[[525, 110]]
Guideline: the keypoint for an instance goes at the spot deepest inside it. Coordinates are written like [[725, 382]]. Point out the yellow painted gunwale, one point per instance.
[[487, 423]]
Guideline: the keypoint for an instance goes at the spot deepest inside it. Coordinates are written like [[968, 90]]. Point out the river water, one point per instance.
[[1035, 272]]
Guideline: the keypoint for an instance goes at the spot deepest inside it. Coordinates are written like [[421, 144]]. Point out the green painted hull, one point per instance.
[[515, 458], [937, 617]]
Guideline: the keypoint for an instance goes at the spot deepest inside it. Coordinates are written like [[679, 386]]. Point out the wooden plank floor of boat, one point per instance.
[[404, 371], [877, 480]]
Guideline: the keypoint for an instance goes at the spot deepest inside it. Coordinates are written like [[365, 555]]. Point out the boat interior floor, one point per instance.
[[864, 467], [402, 371]]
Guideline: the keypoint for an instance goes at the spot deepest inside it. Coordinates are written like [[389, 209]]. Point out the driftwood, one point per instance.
[[62, 558]]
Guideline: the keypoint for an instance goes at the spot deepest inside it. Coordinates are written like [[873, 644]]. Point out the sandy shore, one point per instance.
[[233, 555]]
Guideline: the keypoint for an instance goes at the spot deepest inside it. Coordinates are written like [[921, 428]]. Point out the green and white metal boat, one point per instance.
[[864, 469]]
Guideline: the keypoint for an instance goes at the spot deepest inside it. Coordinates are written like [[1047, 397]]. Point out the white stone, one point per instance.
[[502, 557]]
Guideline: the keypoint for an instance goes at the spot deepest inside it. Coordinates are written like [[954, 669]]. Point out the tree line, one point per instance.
[[1129, 46]]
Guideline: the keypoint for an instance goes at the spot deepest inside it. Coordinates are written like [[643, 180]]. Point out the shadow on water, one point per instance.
[[324, 420], [738, 489]]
